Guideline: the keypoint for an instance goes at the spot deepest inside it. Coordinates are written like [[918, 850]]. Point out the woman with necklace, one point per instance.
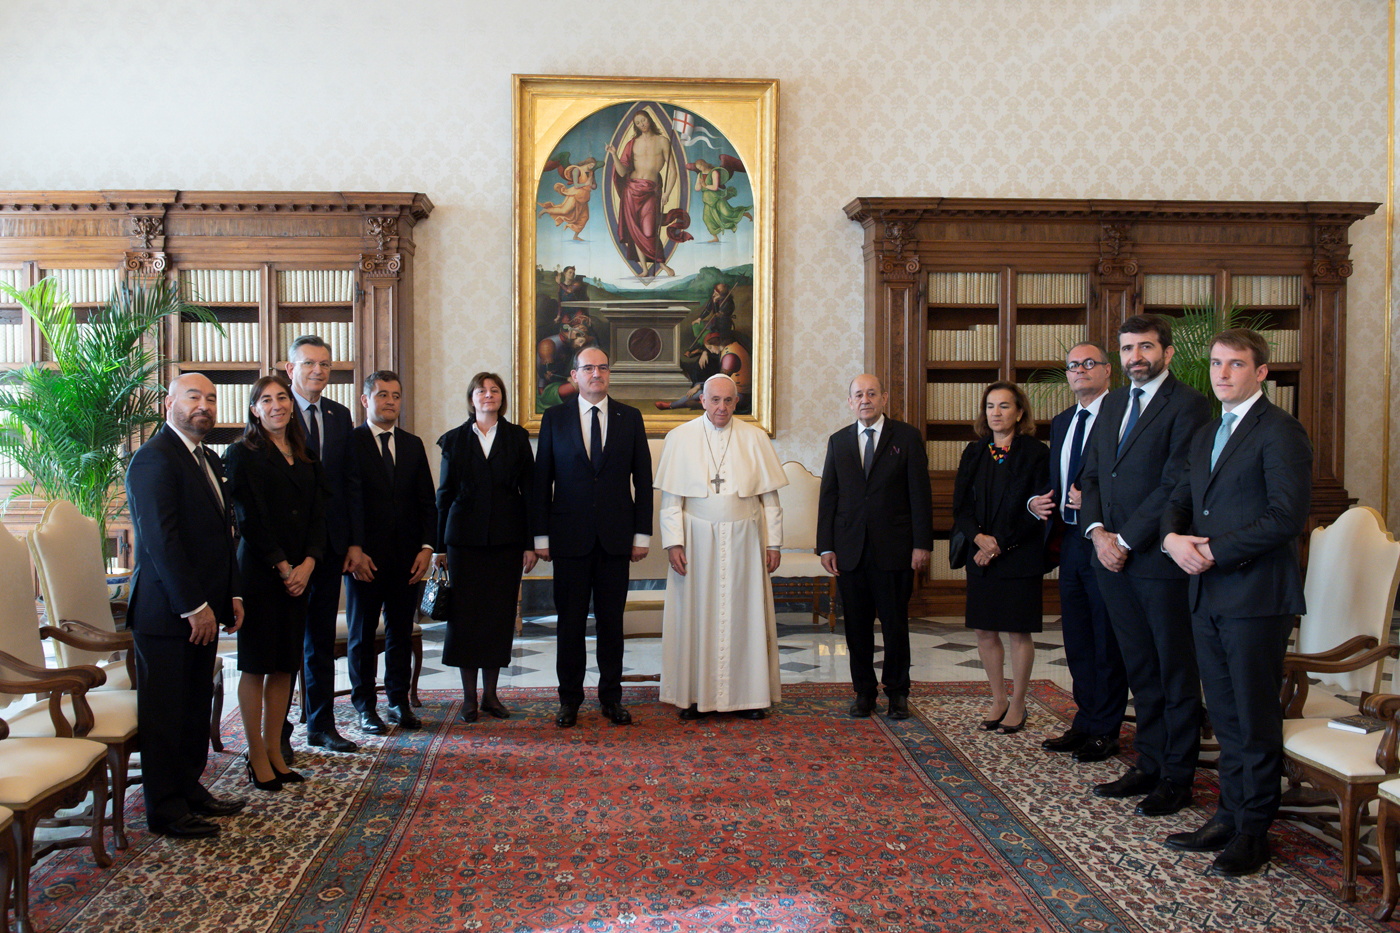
[[483, 529], [997, 476], [278, 494]]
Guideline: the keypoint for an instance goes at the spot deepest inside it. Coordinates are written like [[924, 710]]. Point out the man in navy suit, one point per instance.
[[1233, 523], [592, 514], [874, 532], [328, 425], [1091, 650], [395, 516], [184, 589], [1131, 465]]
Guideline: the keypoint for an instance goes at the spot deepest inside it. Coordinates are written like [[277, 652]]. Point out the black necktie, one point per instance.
[[1133, 414], [595, 442], [385, 453], [313, 430], [1076, 447], [869, 460], [203, 460]]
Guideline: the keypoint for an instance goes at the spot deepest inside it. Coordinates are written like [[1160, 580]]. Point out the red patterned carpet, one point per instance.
[[806, 821]]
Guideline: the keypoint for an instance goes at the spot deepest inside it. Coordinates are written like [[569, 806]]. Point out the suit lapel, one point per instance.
[[615, 417], [1160, 400], [573, 428], [1237, 437], [191, 464]]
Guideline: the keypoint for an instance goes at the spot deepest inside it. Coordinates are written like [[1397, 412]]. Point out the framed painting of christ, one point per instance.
[[644, 211]]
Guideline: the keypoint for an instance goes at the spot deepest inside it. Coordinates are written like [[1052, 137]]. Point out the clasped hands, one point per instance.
[[1191, 552], [987, 550]]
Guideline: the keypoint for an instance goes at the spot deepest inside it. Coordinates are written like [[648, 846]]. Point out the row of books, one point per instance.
[[12, 343], [1052, 288], [240, 342], [339, 334], [1047, 341], [978, 342], [85, 286], [348, 395], [1284, 396], [234, 400], [15, 279], [321, 285], [944, 455], [963, 288], [1267, 290], [1283, 345], [221, 285], [1178, 291], [961, 401]]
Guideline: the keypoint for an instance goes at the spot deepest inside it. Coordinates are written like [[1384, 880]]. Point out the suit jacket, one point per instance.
[[485, 501], [1253, 506], [281, 508], [991, 499], [340, 476], [184, 538], [394, 516], [578, 508], [876, 521], [1128, 493]]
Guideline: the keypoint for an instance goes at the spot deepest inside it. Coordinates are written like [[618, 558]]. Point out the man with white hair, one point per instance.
[[722, 527]]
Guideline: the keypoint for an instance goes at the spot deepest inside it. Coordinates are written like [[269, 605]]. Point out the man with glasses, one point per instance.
[[592, 514], [1095, 665]]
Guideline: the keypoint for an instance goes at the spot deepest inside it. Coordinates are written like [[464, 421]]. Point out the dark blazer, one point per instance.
[[342, 521], [184, 539], [991, 499], [395, 516], [281, 507], [578, 508], [891, 510], [485, 501], [1127, 494], [1253, 506]]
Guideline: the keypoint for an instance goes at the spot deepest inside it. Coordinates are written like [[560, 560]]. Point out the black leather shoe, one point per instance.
[[371, 723], [1244, 855], [567, 718], [218, 806], [691, 713], [404, 717], [617, 714], [1211, 837], [899, 708], [751, 713], [1098, 748], [331, 740], [1071, 741], [862, 707], [1166, 798], [495, 708], [287, 754], [1133, 784], [188, 826]]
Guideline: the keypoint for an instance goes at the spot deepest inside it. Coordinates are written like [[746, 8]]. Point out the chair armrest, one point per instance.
[[1348, 647], [77, 634], [1385, 706], [1307, 663], [57, 683]]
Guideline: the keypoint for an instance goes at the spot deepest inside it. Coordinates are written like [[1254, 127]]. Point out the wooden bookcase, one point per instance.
[[960, 292], [269, 264]]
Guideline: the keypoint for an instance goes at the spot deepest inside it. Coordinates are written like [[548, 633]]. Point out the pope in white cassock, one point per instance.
[[722, 526]]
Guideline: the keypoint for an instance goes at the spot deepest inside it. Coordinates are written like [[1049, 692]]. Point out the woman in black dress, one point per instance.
[[483, 514], [997, 476], [278, 494]]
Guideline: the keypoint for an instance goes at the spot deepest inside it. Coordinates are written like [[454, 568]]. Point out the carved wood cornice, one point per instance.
[[402, 204], [867, 211], [1116, 262]]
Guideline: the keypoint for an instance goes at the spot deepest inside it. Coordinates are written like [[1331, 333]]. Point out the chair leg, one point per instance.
[[1385, 842], [22, 834], [417, 669], [831, 602], [99, 818], [8, 869], [1350, 820], [117, 762], [216, 715]]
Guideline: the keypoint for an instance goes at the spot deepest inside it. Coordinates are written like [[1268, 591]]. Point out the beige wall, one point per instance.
[[1246, 99]]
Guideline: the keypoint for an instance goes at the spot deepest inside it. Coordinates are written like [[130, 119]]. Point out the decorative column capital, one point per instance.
[[381, 265]]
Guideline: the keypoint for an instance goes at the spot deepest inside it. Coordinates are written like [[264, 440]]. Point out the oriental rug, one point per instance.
[[805, 821]]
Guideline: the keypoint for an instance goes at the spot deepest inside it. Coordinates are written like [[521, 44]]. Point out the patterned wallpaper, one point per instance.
[[1245, 99]]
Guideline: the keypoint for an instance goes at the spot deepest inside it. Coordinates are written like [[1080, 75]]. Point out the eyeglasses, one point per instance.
[[1086, 365], [591, 368]]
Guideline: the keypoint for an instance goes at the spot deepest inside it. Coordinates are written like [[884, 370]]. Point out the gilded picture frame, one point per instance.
[[644, 219]]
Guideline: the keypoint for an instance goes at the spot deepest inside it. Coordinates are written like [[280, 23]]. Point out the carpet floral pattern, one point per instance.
[[808, 820]]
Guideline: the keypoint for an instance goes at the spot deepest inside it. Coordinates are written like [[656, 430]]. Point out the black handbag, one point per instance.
[[437, 595], [957, 549]]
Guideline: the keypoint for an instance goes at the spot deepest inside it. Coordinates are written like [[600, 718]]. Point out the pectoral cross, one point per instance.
[[716, 482]]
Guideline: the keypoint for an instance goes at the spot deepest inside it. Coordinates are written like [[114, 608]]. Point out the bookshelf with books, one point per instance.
[[945, 278], [339, 264]]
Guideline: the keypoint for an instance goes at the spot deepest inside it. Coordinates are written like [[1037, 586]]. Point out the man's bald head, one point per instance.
[[191, 403], [867, 398]]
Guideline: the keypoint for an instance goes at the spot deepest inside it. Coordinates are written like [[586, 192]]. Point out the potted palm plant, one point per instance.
[[70, 422]]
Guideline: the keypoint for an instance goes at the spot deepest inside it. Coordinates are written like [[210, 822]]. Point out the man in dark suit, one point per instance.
[[874, 532], [592, 514], [1091, 650], [1133, 460], [328, 425], [184, 588], [394, 515], [1233, 523]]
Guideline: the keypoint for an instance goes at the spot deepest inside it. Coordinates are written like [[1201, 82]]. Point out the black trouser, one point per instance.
[[865, 596], [323, 605], [602, 578], [390, 593], [174, 700], [1091, 649]]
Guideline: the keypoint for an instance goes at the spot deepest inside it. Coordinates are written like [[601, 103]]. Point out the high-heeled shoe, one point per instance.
[[469, 714], [1004, 729], [290, 777], [991, 724], [274, 784], [495, 708]]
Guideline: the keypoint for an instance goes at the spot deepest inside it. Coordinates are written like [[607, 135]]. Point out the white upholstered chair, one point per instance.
[[801, 573]]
